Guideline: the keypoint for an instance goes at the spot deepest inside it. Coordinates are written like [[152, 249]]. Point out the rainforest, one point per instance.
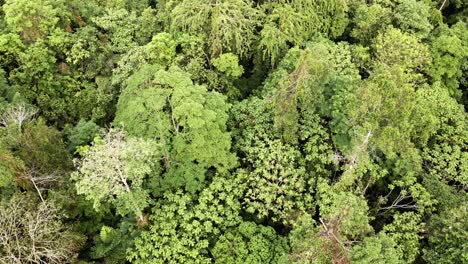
[[233, 131]]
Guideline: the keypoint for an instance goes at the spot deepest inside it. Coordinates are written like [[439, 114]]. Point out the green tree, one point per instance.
[[126, 29], [277, 182], [183, 225], [449, 56], [228, 26], [185, 119], [377, 249], [292, 23], [82, 134], [31, 19], [445, 175], [42, 162], [413, 16], [447, 233], [111, 244], [250, 243], [404, 230], [369, 20]]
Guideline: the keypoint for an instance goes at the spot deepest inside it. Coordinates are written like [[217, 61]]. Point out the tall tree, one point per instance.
[[113, 170], [184, 118]]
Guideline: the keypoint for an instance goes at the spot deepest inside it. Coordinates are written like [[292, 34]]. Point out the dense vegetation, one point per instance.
[[233, 131]]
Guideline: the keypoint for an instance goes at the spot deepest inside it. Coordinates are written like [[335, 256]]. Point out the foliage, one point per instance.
[[229, 25], [35, 19], [276, 185], [447, 241], [450, 56], [112, 171], [229, 64], [183, 227], [413, 16], [369, 20], [344, 212], [82, 134], [112, 243], [378, 249], [186, 116], [249, 243], [404, 230], [233, 131]]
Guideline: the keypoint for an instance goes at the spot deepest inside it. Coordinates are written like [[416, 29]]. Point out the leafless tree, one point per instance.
[[34, 233], [17, 114]]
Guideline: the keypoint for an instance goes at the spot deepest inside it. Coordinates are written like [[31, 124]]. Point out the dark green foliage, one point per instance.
[[447, 237], [449, 53], [82, 134], [112, 243], [249, 243], [228, 25], [42, 148]]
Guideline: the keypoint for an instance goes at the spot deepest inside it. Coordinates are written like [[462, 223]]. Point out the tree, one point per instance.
[[280, 177], [293, 23], [17, 115], [11, 168], [127, 29], [183, 225], [343, 215], [413, 16], [445, 175], [276, 182], [42, 160], [297, 87], [447, 233], [228, 26], [250, 243], [111, 244], [282, 25], [405, 230], [395, 48], [449, 56], [113, 171], [35, 19], [42, 148], [186, 119], [32, 232], [369, 20], [376, 249], [82, 134]]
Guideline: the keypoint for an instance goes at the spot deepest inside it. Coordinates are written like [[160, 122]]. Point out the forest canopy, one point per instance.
[[233, 131]]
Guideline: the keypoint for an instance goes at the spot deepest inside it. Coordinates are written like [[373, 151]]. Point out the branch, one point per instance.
[[396, 203], [37, 189], [16, 114], [360, 147], [440, 9], [176, 127]]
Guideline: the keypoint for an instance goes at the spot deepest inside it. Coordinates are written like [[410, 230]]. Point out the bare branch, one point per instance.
[[397, 203], [442, 6], [17, 114]]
